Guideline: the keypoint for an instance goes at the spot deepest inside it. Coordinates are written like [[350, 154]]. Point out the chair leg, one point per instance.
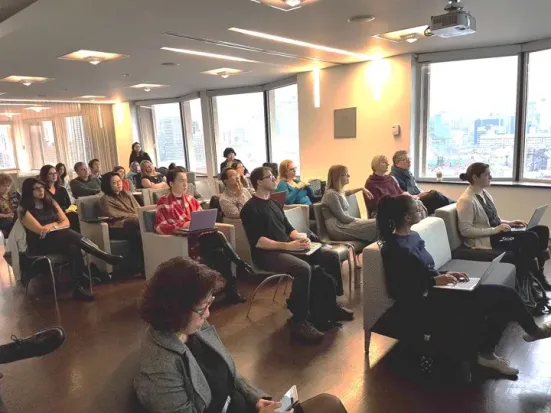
[[267, 280], [277, 288], [350, 276], [88, 259], [286, 286]]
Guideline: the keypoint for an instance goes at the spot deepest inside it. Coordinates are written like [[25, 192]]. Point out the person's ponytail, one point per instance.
[[385, 218]]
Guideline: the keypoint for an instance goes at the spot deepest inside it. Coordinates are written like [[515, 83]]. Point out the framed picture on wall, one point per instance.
[[345, 123]]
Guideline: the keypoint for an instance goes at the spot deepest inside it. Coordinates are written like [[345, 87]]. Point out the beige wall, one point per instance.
[[382, 93], [123, 132]]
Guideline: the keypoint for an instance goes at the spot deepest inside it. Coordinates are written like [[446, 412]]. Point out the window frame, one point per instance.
[[422, 85], [14, 148]]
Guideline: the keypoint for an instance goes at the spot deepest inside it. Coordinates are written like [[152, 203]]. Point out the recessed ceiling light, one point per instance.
[[92, 56], [361, 19], [25, 80], [2, 93], [285, 5], [205, 54], [147, 86], [405, 35], [126, 74], [91, 97], [298, 43], [38, 109], [9, 114], [170, 64], [223, 72]]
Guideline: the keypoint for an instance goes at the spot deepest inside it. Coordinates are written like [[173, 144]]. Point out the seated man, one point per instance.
[[401, 172], [234, 196], [273, 239], [95, 167], [84, 184], [174, 212]]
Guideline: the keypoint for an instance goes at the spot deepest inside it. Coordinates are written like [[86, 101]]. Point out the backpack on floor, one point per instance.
[[323, 300], [533, 294]]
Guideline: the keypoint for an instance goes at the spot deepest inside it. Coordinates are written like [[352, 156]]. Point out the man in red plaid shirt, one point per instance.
[[212, 248]]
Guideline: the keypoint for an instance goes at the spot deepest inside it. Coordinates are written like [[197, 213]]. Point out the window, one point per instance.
[[169, 138], [471, 116], [77, 141], [193, 120], [537, 140], [42, 141], [284, 142], [7, 152], [49, 151], [240, 124]]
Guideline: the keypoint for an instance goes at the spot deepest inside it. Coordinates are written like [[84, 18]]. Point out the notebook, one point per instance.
[[314, 246]]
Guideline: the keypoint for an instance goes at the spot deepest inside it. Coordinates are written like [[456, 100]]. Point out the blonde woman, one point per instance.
[[150, 178], [341, 226], [296, 191]]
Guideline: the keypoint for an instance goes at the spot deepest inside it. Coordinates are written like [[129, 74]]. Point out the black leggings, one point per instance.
[[216, 252], [65, 242], [525, 246], [130, 232]]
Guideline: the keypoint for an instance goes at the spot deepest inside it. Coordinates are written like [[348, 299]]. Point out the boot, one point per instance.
[[88, 246], [232, 294], [82, 294], [243, 268], [37, 345]]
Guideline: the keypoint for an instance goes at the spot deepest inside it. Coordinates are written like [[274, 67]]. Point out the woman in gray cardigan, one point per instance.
[[184, 367], [341, 226]]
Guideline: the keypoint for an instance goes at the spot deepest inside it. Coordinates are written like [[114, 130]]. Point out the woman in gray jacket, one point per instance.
[[185, 368], [342, 226]]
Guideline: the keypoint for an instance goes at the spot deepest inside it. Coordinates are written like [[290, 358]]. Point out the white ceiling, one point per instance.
[[31, 40]]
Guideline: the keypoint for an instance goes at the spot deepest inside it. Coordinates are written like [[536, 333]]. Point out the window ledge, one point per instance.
[[512, 184]]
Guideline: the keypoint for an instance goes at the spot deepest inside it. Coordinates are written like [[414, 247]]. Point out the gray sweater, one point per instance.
[[80, 187]]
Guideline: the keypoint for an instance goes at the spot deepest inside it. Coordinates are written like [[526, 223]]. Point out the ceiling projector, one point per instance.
[[455, 22]]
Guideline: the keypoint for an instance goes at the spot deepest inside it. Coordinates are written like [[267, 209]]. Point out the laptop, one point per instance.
[[535, 220], [279, 197], [200, 221], [473, 282]]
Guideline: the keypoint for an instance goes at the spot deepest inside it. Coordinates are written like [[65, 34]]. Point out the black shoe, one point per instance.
[[233, 297], [37, 345], [306, 332], [244, 270], [343, 313], [81, 294]]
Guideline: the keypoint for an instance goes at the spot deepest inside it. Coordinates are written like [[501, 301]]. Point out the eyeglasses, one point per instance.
[[203, 310], [268, 177], [52, 173], [38, 188]]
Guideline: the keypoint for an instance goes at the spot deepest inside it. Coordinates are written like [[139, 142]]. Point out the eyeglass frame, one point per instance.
[[202, 311]]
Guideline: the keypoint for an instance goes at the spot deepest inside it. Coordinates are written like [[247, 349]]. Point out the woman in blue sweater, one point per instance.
[[297, 192], [410, 275]]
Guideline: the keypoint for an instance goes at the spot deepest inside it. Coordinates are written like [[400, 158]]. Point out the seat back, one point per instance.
[[148, 195], [157, 194], [191, 178], [204, 188], [321, 229], [354, 209], [315, 184], [146, 216], [449, 215], [297, 219], [88, 207], [221, 187], [242, 247]]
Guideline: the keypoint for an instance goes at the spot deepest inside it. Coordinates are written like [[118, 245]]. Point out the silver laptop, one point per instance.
[[535, 220], [200, 221], [473, 282]]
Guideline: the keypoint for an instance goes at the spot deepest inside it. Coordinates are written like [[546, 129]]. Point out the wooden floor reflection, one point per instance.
[[100, 334]]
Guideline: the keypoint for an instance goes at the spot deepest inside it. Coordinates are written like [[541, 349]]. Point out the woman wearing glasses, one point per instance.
[[342, 226], [48, 232], [50, 176], [296, 191], [185, 367]]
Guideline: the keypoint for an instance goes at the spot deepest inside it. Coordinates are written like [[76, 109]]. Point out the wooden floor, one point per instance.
[[100, 334]]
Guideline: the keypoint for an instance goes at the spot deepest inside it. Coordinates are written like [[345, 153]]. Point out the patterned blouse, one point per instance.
[[9, 204], [172, 213], [231, 202]]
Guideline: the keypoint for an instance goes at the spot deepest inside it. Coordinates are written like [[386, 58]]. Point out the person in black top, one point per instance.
[[84, 184], [410, 275], [184, 365], [48, 232], [95, 167], [62, 174], [273, 239], [138, 155], [229, 154], [48, 175]]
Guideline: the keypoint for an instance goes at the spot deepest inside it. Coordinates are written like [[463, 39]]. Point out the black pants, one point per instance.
[[299, 267], [434, 200], [65, 242], [216, 252], [525, 246], [494, 305], [6, 224], [73, 221], [130, 232]]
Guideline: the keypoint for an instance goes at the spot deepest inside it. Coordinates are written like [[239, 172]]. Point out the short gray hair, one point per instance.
[[398, 155]]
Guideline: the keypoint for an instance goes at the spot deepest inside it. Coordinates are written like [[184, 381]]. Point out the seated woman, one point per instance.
[[185, 367], [245, 181], [234, 196], [229, 154], [9, 201], [381, 184], [62, 175], [174, 212], [120, 204], [48, 175], [150, 178], [297, 192], [127, 184], [482, 228], [410, 275], [48, 232], [341, 226]]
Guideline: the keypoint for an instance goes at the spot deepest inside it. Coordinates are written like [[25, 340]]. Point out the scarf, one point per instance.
[[405, 180]]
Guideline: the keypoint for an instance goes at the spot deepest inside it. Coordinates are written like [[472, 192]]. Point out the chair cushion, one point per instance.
[[449, 215], [57, 259], [149, 220], [342, 251], [89, 208], [354, 209], [504, 274], [466, 253], [358, 245], [156, 195], [433, 232]]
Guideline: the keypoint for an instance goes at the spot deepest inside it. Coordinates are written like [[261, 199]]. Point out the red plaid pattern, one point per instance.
[[173, 213]]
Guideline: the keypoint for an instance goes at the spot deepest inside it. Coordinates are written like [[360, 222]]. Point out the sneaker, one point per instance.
[[305, 331], [343, 313], [499, 364], [37, 345], [545, 333], [81, 294]]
